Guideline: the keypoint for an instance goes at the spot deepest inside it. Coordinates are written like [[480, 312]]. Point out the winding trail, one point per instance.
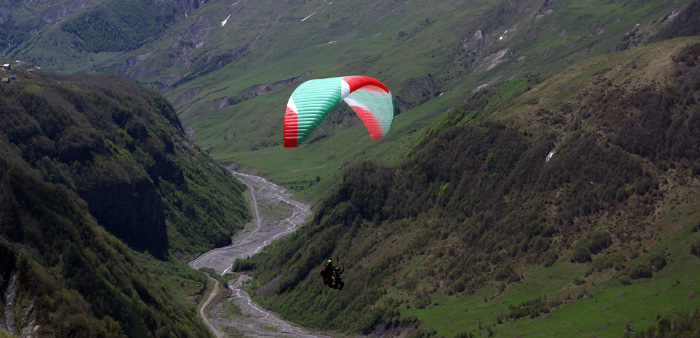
[[282, 216], [204, 306]]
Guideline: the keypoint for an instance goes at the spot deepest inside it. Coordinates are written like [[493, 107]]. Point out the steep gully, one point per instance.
[[282, 216]]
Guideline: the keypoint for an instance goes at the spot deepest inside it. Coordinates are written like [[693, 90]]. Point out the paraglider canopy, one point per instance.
[[311, 102]]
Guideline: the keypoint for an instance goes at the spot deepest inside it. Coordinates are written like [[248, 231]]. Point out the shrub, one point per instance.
[[641, 271], [658, 261], [613, 260], [533, 307], [695, 248], [581, 255]]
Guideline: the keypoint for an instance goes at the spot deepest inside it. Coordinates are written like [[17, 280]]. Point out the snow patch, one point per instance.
[[223, 23], [549, 157], [304, 19]]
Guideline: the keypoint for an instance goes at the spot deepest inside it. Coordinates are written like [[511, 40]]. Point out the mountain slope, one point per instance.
[[62, 274], [477, 213], [22, 19], [88, 164], [229, 66], [122, 149], [418, 56]]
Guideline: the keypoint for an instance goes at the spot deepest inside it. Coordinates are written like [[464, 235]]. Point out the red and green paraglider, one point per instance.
[[311, 102]]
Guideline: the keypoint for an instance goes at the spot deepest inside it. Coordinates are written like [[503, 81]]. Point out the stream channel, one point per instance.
[[276, 215]]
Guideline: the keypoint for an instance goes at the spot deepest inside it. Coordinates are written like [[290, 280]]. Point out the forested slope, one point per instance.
[[81, 155], [477, 211], [122, 149], [63, 275]]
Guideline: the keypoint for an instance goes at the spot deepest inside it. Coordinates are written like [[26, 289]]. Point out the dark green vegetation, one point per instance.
[[686, 325], [64, 273], [21, 20], [474, 232], [85, 154], [70, 35], [123, 151], [121, 25]]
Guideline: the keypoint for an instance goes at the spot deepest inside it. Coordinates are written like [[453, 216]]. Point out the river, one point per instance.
[[280, 216]]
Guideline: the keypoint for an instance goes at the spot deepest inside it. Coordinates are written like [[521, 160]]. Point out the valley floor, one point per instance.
[[233, 313]]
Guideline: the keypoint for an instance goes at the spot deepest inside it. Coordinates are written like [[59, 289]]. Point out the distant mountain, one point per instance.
[[85, 154], [531, 214], [229, 66], [93, 25]]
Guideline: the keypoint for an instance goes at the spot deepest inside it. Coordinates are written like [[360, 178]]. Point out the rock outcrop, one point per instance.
[[133, 213]]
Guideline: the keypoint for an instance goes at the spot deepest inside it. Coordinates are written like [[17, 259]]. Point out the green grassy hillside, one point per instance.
[[226, 64], [20, 20], [427, 63], [473, 232]]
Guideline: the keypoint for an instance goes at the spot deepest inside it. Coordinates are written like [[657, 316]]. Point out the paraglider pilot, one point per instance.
[[331, 275]]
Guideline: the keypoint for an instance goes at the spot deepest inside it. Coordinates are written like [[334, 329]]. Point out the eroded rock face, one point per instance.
[[416, 91], [188, 6], [188, 95], [132, 212], [257, 90], [57, 12], [168, 80], [221, 102], [194, 37], [477, 43], [9, 299], [15, 313], [260, 89], [131, 63]]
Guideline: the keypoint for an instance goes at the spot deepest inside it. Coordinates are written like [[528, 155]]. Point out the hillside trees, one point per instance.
[[122, 149], [474, 200], [479, 192], [686, 23], [69, 275], [119, 25], [659, 124], [79, 155]]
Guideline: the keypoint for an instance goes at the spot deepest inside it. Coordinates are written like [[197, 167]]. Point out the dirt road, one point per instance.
[[204, 306], [280, 216]]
